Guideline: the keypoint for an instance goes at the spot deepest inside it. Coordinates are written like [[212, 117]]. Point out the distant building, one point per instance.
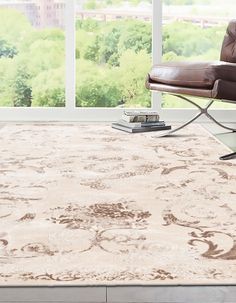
[[112, 14], [40, 13]]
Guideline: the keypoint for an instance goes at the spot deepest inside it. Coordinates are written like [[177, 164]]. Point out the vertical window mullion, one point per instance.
[[156, 45], [70, 54]]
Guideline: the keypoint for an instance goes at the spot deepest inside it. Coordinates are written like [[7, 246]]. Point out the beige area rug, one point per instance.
[[86, 204]]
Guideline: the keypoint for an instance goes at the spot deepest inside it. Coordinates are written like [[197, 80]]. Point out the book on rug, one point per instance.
[[140, 116], [140, 121], [141, 128], [140, 124]]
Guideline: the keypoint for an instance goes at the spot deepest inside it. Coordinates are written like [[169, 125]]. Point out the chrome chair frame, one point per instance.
[[202, 111]]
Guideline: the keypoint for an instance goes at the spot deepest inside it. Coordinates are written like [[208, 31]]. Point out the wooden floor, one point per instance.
[[128, 294], [125, 294]]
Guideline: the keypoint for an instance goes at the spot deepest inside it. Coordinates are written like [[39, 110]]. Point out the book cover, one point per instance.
[[140, 124], [139, 129]]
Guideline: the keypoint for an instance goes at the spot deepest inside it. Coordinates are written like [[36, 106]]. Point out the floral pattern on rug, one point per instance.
[[214, 236], [101, 219], [84, 204]]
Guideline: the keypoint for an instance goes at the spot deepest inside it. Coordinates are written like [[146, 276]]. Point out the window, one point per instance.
[[113, 53], [194, 31], [89, 60], [32, 56]]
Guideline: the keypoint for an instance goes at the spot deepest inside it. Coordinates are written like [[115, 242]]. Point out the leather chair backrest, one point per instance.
[[228, 51]]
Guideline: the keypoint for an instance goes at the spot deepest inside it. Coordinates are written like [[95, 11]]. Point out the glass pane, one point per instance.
[[193, 30], [32, 53], [113, 53]]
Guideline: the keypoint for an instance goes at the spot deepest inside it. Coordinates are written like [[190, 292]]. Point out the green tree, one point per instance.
[[93, 93], [14, 26], [109, 51], [7, 50], [117, 37], [48, 35], [92, 50], [198, 43], [132, 75], [48, 88], [89, 25], [44, 55], [22, 91], [98, 88], [87, 45], [91, 4], [7, 70], [137, 36]]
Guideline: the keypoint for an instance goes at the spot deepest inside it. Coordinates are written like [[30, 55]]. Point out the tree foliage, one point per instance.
[[7, 50], [96, 86], [199, 41], [93, 4], [14, 26], [49, 88], [112, 58], [22, 91], [132, 76], [110, 40]]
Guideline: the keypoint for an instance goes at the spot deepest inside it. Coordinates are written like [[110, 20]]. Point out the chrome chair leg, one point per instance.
[[220, 124], [203, 111], [166, 134], [229, 156]]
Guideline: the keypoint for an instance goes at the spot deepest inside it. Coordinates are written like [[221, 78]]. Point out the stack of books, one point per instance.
[[140, 121]]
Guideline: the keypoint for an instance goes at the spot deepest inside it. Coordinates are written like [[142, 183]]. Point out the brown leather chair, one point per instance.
[[212, 80]]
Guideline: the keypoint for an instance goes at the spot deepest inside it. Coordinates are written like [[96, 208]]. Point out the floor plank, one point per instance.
[[172, 294], [53, 294]]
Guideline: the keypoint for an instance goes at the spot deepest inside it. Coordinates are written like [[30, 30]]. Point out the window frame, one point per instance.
[[72, 113]]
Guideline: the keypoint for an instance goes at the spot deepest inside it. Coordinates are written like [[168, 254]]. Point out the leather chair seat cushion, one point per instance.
[[223, 90], [193, 74]]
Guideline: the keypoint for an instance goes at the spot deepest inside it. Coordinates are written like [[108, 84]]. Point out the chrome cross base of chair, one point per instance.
[[202, 111]]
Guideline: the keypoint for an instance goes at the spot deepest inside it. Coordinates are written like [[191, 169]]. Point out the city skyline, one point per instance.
[[51, 13], [40, 13]]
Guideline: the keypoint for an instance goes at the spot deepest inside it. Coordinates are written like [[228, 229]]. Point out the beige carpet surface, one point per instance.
[[86, 204]]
